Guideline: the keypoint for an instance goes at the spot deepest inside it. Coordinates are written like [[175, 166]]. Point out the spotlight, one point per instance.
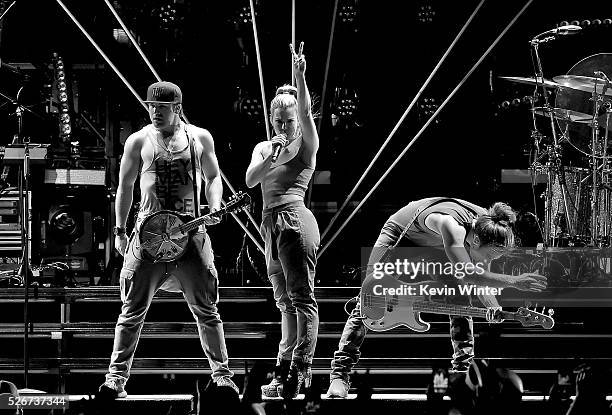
[[244, 15], [596, 22], [65, 225], [169, 16], [427, 107], [348, 14], [249, 106], [585, 23], [344, 106], [607, 21], [575, 22], [426, 13]]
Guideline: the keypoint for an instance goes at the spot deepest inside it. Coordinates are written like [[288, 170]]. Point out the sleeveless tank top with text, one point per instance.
[[165, 176]]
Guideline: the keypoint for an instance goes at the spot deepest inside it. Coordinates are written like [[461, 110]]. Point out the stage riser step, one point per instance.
[[427, 346], [388, 365], [87, 383]]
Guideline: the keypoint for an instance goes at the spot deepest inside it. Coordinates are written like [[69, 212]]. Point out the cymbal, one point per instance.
[[531, 81], [582, 83], [563, 114]]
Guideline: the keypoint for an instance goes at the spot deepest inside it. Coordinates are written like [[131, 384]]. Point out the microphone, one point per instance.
[[276, 149], [569, 29]]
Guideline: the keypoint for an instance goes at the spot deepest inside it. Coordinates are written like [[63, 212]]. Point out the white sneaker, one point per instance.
[[226, 381], [112, 389], [338, 388]]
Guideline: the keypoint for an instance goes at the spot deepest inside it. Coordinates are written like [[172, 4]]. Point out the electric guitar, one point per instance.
[[385, 312], [164, 234]]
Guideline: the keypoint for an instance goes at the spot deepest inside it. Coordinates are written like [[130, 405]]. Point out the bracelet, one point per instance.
[[119, 230]]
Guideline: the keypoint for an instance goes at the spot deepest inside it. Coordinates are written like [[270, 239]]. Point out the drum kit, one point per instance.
[[575, 153]]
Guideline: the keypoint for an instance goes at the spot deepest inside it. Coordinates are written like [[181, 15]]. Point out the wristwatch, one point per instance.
[[118, 231]]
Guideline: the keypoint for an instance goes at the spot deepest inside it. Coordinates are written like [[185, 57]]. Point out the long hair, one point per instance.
[[495, 227]]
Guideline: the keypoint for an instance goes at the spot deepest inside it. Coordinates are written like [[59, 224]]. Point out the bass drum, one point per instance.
[[579, 134]]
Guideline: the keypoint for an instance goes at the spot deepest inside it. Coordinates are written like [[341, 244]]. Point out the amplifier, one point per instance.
[[76, 177]]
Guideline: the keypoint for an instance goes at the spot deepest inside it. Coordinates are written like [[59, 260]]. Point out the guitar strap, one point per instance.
[[388, 251], [196, 198]]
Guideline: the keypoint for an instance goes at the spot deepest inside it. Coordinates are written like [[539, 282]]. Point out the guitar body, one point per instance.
[[164, 235], [161, 236], [382, 313]]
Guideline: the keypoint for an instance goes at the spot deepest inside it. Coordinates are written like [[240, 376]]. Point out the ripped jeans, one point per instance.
[[291, 235], [195, 275]]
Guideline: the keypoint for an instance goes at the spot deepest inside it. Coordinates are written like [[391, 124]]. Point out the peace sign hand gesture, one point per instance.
[[299, 60]]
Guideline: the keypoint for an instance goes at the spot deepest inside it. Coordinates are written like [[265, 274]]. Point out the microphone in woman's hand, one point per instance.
[[277, 147]]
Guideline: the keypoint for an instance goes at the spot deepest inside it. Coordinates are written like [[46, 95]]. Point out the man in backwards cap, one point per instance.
[[160, 153]]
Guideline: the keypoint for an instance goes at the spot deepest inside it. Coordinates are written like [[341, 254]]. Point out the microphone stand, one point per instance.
[[554, 163], [23, 186], [24, 218]]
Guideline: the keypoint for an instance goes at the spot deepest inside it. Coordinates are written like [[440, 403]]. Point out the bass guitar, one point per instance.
[[164, 234], [385, 312]]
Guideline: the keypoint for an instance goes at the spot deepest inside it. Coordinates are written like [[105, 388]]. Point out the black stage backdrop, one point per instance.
[[382, 53]]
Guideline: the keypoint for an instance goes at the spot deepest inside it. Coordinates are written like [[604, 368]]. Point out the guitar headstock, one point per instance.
[[530, 318], [239, 201]]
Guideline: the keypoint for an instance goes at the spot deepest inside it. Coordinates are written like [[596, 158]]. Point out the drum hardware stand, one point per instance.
[[554, 162], [604, 185], [597, 153]]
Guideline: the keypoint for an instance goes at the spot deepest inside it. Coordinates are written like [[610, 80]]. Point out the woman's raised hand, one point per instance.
[[299, 60]]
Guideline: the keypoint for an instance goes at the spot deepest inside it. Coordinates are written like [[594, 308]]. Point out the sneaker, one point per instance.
[[112, 389], [281, 371], [271, 389], [298, 374], [338, 388], [225, 381]]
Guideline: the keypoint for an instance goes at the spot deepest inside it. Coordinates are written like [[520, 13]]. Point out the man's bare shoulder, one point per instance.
[[135, 140], [202, 134], [439, 222]]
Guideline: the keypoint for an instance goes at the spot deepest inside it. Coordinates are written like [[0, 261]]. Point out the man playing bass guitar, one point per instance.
[[464, 232]]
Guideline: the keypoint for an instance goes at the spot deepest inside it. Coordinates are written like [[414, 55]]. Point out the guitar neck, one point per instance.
[[191, 225], [449, 309]]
